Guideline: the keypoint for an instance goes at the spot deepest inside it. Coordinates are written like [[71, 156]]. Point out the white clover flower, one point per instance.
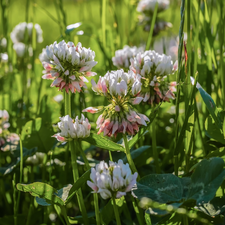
[[119, 116], [72, 129], [148, 6], [20, 49], [152, 70], [3, 42], [4, 57], [113, 180], [67, 65], [36, 159], [122, 56], [18, 33], [4, 118], [58, 98]]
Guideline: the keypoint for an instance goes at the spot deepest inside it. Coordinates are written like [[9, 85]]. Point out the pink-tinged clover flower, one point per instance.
[[113, 180], [67, 65], [122, 56], [152, 70], [119, 116], [72, 129]]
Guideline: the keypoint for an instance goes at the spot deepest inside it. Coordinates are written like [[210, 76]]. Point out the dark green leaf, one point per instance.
[[211, 106], [103, 142], [37, 133], [83, 179], [16, 161], [162, 188], [137, 152], [213, 131], [206, 179], [41, 201]]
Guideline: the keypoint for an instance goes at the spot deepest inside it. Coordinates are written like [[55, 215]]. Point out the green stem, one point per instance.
[[116, 212], [178, 80], [76, 177], [58, 211], [63, 208], [136, 209], [154, 147], [95, 194], [29, 214], [185, 219], [78, 143], [148, 219], [67, 103], [129, 158], [152, 28], [67, 111], [110, 156], [97, 209], [14, 199], [103, 22], [21, 173]]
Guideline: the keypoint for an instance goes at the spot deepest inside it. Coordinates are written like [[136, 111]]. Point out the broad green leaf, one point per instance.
[[137, 152], [42, 190], [213, 208], [103, 142], [213, 131], [62, 193], [16, 160], [186, 181], [206, 179], [107, 212], [83, 179], [37, 133], [79, 219], [162, 188], [210, 104]]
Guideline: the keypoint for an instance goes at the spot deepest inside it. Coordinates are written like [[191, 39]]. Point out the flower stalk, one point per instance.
[[97, 214], [118, 222], [129, 158], [76, 177]]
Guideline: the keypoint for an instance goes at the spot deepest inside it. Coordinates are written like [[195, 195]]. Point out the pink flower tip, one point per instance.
[[91, 110]]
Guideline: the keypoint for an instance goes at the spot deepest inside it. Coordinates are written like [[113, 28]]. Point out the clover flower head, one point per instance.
[[119, 116], [20, 49], [4, 57], [122, 56], [36, 159], [152, 70], [148, 6], [73, 129], [113, 180], [4, 118], [67, 65], [18, 33]]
